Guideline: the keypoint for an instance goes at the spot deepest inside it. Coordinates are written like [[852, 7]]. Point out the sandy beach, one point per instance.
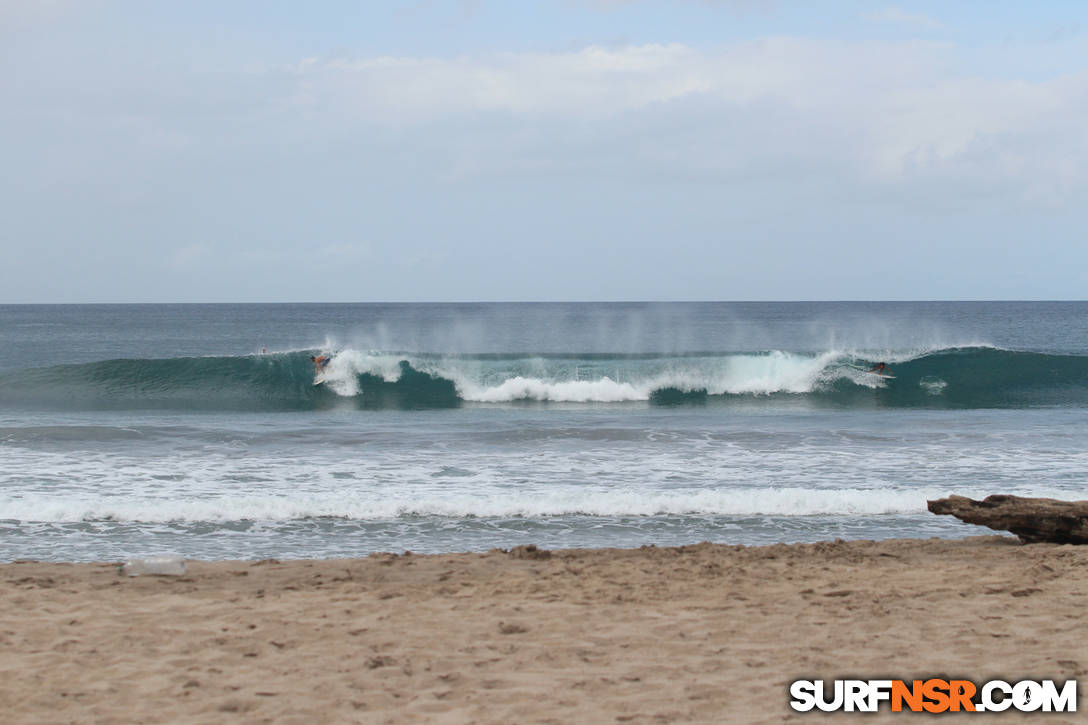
[[700, 634]]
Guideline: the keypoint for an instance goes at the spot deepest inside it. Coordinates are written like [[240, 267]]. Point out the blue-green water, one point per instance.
[[197, 429]]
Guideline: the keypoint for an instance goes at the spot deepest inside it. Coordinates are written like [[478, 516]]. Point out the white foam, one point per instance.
[[378, 506], [603, 390], [343, 371], [390, 471], [932, 385], [775, 372], [565, 502], [543, 380]]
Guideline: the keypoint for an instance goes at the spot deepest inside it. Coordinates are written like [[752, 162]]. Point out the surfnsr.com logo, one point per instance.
[[933, 695]]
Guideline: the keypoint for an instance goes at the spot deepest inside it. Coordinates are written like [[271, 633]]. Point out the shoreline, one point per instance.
[[700, 633]]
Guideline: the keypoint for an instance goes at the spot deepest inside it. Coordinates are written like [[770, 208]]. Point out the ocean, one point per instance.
[[128, 430]]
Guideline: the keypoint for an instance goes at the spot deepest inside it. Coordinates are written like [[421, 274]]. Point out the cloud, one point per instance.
[[22, 14], [893, 112], [590, 81], [749, 169], [897, 16], [736, 5], [902, 115]]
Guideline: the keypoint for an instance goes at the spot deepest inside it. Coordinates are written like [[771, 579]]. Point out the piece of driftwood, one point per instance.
[[1032, 519]]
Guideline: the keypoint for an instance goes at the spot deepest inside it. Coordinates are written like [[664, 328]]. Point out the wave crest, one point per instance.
[[957, 377]]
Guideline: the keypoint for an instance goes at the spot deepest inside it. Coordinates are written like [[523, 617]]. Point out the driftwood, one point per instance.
[[1032, 519]]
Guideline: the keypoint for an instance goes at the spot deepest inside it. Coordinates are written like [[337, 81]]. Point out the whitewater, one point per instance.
[[197, 429]]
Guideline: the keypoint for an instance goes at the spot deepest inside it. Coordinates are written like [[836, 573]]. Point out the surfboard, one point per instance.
[[319, 378]]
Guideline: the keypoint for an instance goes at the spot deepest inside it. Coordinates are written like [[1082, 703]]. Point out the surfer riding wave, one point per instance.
[[320, 363]]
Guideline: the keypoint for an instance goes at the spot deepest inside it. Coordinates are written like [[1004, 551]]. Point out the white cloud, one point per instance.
[[735, 5], [17, 14], [587, 82], [612, 169], [890, 112], [898, 16], [598, 81]]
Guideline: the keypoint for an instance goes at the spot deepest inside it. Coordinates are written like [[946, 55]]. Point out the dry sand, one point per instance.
[[707, 633]]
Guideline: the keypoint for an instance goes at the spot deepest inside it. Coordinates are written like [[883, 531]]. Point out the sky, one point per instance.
[[486, 150]]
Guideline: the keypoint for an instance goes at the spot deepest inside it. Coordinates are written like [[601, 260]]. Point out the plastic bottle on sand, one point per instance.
[[160, 565]]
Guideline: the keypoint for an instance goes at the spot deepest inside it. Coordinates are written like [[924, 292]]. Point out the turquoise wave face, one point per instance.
[[974, 377], [981, 378], [252, 383]]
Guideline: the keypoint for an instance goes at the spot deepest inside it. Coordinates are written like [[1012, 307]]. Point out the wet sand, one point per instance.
[[697, 634]]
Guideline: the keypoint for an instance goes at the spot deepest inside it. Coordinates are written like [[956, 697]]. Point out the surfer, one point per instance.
[[880, 369], [320, 363]]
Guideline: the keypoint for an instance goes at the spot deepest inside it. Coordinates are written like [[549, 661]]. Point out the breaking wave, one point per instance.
[[964, 377]]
